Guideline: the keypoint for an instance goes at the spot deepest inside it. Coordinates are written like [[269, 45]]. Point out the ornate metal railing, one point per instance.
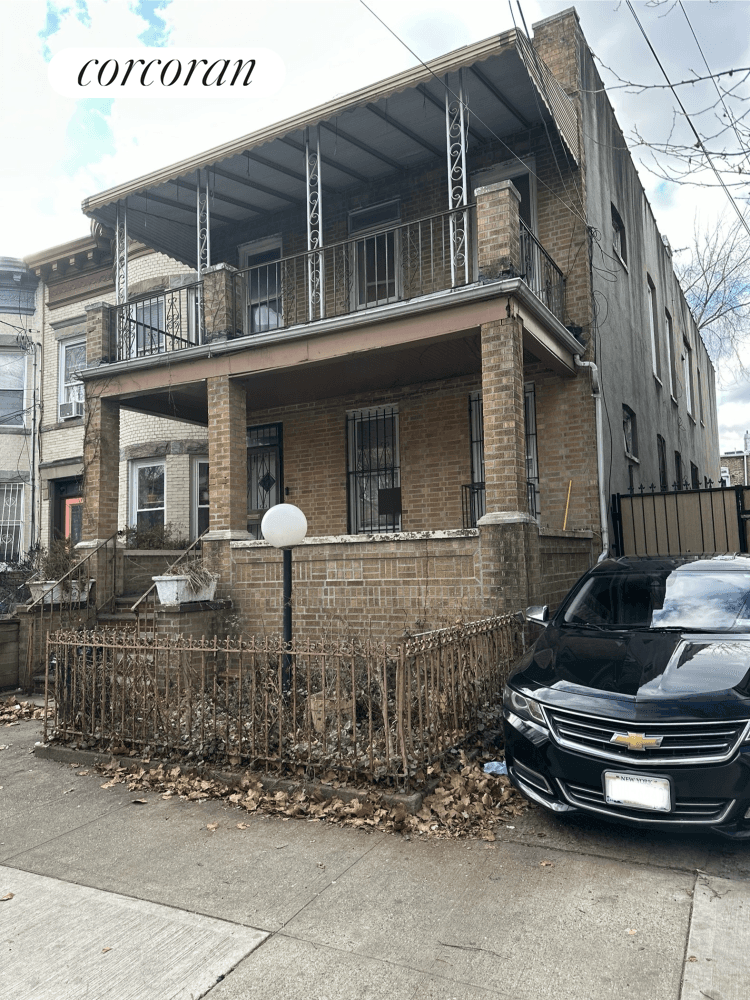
[[368, 270], [472, 503], [169, 320], [541, 273]]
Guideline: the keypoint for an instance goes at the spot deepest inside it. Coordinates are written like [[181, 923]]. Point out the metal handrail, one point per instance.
[[177, 561], [70, 572]]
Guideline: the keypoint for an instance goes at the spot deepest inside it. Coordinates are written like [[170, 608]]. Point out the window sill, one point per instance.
[[657, 379], [632, 458], [617, 255], [673, 399], [692, 417], [14, 430]]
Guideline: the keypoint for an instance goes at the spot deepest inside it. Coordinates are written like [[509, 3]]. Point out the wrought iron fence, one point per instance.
[[362, 709], [367, 270], [166, 321], [541, 273], [472, 503]]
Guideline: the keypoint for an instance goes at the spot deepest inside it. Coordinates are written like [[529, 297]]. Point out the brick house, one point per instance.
[[391, 316]]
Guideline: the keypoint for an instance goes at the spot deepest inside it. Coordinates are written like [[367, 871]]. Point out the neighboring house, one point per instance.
[[19, 372], [734, 465], [392, 306], [71, 278]]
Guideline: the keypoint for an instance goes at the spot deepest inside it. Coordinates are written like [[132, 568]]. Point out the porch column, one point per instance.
[[227, 457], [222, 312], [101, 468], [316, 284], [455, 140], [498, 230]]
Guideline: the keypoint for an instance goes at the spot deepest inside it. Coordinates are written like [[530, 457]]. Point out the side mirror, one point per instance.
[[538, 614]]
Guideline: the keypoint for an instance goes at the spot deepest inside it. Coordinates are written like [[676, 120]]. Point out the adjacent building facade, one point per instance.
[[436, 314]]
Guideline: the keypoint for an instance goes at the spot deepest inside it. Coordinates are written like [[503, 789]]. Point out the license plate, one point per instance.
[[637, 791]]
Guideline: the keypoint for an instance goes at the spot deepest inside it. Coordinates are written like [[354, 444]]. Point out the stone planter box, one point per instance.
[[77, 591], [177, 590]]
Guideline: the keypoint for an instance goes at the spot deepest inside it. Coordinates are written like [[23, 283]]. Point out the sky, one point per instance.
[[59, 150]]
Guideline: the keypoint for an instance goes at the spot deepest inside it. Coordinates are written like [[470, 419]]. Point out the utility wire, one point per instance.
[[688, 119]]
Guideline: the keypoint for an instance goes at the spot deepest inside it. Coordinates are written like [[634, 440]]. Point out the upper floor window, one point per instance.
[[630, 432], [263, 289], [654, 326], [377, 256], [619, 242], [670, 352], [72, 360], [687, 375], [12, 389]]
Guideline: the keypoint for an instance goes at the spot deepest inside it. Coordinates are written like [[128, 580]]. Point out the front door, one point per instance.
[[67, 509]]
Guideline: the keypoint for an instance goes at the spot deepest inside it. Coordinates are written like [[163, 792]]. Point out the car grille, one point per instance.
[[681, 742], [684, 810]]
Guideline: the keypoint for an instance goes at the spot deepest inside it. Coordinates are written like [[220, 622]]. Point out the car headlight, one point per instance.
[[525, 708]]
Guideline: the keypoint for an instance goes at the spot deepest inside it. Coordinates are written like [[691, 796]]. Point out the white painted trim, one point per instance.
[[380, 538]]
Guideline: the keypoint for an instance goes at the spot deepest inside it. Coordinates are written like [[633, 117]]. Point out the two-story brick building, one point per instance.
[[435, 314]]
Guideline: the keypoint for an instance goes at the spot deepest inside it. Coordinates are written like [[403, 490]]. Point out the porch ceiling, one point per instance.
[[384, 370], [365, 136]]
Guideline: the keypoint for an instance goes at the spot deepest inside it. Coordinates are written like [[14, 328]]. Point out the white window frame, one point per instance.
[[196, 462], [5, 359], [357, 236], [17, 490], [62, 384], [245, 251], [654, 327], [687, 375], [135, 465]]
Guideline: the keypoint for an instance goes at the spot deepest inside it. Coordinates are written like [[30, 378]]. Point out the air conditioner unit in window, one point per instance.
[[70, 410]]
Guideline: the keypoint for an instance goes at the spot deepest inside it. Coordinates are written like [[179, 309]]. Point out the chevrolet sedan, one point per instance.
[[634, 703]]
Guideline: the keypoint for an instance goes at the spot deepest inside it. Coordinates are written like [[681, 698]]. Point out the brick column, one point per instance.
[[101, 346], [101, 467], [227, 457], [498, 230], [221, 301]]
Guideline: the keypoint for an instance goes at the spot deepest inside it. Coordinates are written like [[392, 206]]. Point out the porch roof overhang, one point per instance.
[[373, 133], [396, 345]]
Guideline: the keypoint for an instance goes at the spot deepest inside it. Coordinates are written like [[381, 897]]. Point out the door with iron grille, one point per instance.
[[374, 470], [264, 473]]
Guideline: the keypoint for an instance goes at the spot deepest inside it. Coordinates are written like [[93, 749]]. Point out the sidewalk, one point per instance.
[[116, 899]]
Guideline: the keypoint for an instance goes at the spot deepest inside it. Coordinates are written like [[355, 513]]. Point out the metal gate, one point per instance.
[[649, 522]]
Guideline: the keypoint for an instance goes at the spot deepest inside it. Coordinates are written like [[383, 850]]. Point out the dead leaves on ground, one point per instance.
[[465, 803], [13, 711]]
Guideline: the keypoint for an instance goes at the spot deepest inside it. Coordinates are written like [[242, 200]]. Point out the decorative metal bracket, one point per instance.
[[315, 269], [456, 121]]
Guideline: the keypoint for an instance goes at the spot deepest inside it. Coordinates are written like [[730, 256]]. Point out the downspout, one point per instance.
[[597, 394]]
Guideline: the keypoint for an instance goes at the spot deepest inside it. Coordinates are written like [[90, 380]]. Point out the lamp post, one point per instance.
[[284, 526]]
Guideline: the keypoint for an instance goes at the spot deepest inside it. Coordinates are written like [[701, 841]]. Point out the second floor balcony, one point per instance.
[[370, 271]]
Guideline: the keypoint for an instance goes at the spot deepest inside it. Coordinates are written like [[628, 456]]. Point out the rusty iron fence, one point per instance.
[[360, 709]]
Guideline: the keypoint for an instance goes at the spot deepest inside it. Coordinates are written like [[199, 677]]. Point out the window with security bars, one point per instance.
[[11, 522], [264, 473], [532, 457], [12, 384], [374, 471]]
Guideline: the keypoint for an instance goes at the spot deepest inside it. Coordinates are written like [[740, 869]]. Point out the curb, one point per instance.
[[65, 755]]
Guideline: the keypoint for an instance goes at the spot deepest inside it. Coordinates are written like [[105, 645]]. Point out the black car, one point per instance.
[[634, 703]]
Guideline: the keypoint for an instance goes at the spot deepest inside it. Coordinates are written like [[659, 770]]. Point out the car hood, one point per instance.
[[648, 673]]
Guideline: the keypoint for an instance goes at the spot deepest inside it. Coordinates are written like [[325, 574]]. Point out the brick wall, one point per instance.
[[564, 558]]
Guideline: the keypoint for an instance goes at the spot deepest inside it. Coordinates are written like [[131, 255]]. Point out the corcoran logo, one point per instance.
[[637, 741], [141, 72]]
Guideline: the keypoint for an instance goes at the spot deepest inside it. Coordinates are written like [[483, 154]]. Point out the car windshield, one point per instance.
[[661, 599]]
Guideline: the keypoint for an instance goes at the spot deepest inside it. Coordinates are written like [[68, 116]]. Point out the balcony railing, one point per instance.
[[541, 273], [165, 321], [368, 270]]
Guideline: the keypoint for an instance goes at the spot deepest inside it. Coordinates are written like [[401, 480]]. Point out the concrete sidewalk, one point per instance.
[[115, 899]]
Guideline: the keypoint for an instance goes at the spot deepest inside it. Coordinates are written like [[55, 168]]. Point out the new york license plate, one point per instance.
[[637, 791]]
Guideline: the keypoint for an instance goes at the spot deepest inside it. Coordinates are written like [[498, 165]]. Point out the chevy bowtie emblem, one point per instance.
[[636, 741]]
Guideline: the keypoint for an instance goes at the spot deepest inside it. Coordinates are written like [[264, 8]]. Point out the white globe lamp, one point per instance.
[[284, 526]]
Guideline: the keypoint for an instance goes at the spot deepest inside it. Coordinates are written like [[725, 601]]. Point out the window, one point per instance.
[[374, 470], [678, 470], [654, 326], [687, 375], [263, 289], [670, 353], [532, 460], [699, 383], [12, 385], [200, 506], [264, 473], [377, 257], [619, 243], [11, 522], [695, 479], [72, 360], [147, 494], [630, 432], [661, 452], [145, 328]]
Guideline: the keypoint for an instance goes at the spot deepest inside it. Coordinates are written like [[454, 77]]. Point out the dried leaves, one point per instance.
[[464, 803], [12, 711]]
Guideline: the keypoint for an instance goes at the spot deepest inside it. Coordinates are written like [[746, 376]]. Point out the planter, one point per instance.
[[177, 590], [76, 592]]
